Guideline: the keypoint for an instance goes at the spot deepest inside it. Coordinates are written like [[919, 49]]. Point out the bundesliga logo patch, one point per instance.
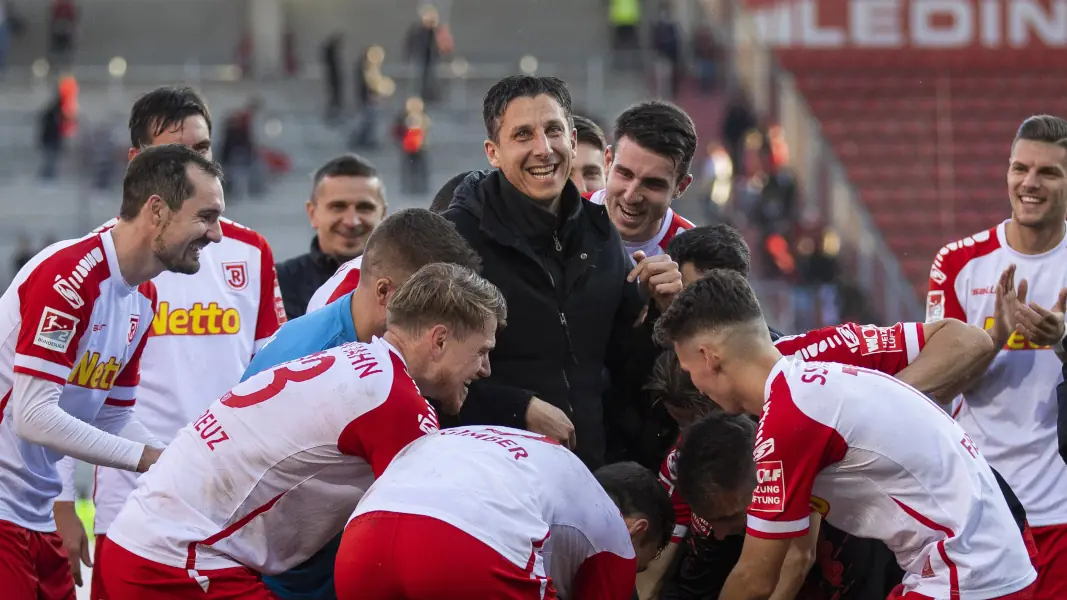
[[56, 330]]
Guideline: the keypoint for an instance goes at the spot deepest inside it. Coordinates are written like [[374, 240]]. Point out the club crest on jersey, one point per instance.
[[134, 320], [935, 306], [55, 331], [236, 274]]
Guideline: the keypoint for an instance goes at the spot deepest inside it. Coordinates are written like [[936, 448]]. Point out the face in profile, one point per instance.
[[183, 233], [534, 148], [587, 170], [459, 360], [701, 361], [1037, 183], [344, 212]]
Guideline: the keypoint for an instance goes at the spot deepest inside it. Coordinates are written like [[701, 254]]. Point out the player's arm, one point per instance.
[[798, 561], [651, 579], [758, 571], [954, 353]]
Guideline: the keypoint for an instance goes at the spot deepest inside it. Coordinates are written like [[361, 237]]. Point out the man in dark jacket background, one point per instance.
[[573, 295]]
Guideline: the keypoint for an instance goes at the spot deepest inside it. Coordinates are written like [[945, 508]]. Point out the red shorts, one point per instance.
[[33, 565], [127, 576], [96, 586], [1027, 593], [1051, 562], [386, 555]]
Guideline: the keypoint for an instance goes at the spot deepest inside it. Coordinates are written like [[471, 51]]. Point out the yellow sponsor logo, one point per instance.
[[211, 319], [93, 374], [1016, 341]]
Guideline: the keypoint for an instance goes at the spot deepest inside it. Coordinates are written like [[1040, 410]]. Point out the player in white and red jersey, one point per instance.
[[209, 323], [345, 280], [513, 516], [589, 169], [648, 168], [281, 461], [872, 455], [1011, 412], [75, 320]]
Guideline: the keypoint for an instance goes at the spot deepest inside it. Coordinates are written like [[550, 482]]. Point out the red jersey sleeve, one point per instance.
[[271, 308], [55, 305], [941, 299], [668, 476], [347, 284], [378, 435], [791, 448], [885, 349], [605, 576]]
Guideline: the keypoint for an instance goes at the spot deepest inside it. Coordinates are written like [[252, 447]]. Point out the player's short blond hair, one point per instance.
[[446, 294]]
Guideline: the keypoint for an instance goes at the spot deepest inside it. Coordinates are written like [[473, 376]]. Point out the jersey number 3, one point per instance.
[[316, 365]]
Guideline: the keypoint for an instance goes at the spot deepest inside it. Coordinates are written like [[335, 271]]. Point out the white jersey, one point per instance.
[[523, 495], [879, 460], [1011, 411], [205, 331], [270, 472], [343, 281], [68, 318], [673, 224]]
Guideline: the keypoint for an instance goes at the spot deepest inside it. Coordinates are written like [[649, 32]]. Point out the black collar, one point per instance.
[[323, 261]]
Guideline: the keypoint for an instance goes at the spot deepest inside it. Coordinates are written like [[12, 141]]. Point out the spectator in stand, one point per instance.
[[587, 172], [63, 28], [239, 154], [371, 88], [51, 138], [428, 41], [332, 51], [667, 46], [347, 203], [412, 128]]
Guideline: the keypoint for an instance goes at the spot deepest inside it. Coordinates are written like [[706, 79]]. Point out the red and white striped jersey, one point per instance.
[[205, 331], [1011, 411], [673, 224], [885, 349], [270, 472], [71, 319], [523, 495], [342, 282], [880, 460]]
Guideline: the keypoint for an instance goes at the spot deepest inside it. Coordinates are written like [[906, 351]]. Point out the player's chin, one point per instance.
[[455, 401]]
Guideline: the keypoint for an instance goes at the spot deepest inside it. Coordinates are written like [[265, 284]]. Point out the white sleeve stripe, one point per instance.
[[911, 340], [123, 393], [778, 526], [44, 366], [258, 344]]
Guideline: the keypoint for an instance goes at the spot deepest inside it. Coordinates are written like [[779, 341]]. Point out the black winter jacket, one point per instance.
[[301, 276], [570, 308]]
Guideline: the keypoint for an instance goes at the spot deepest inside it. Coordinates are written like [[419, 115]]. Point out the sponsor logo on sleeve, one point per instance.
[[935, 306], [69, 286], [769, 496], [849, 336], [236, 274], [56, 330], [877, 340]]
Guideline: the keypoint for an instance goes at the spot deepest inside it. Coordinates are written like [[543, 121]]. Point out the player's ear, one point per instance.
[[438, 336], [382, 290], [637, 527]]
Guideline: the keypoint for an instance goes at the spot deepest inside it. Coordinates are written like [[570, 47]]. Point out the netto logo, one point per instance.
[[198, 320], [93, 374]]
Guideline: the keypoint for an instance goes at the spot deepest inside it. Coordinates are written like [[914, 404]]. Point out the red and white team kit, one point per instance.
[[1011, 412]]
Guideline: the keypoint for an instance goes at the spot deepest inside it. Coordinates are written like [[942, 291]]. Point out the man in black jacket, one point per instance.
[[572, 292]]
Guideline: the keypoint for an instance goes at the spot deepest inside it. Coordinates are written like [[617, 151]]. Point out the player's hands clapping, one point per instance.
[[1041, 326], [1005, 308], [658, 276]]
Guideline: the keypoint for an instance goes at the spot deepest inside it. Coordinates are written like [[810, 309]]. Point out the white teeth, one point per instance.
[[542, 172], [1031, 199]]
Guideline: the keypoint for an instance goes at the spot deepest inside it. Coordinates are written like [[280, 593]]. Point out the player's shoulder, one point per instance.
[[73, 268], [952, 257], [242, 234], [596, 197], [679, 223]]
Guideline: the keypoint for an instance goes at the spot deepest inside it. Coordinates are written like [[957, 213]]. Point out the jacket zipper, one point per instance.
[[563, 324]]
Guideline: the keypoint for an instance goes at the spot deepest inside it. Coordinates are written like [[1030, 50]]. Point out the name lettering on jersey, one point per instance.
[[56, 330], [935, 306], [814, 375], [210, 430], [500, 438], [363, 362], [90, 372], [68, 286], [763, 447], [1017, 341], [198, 320], [969, 445], [770, 487]]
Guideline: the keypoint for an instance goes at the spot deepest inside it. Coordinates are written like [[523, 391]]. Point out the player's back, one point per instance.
[[510, 489], [895, 467], [271, 471], [306, 334]]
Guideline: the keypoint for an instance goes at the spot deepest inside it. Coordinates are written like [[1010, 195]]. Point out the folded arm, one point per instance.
[[954, 355]]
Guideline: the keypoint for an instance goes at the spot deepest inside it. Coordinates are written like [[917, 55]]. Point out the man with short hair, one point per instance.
[[830, 439], [347, 202], [295, 447], [1011, 409], [576, 296], [209, 323], [587, 172], [75, 321], [553, 531]]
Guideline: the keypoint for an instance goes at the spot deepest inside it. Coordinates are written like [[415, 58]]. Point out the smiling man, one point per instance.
[[347, 203], [648, 167], [588, 168]]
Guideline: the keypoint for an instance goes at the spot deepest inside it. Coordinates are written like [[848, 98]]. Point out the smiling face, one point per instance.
[[587, 170], [534, 148], [640, 187], [344, 210], [1037, 184], [457, 361], [183, 233]]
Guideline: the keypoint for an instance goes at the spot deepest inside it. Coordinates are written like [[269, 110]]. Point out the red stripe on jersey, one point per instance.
[[942, 301], [117, 402], [347, 284], [3, 404], [953, 574], [190, 562], [678, 225]]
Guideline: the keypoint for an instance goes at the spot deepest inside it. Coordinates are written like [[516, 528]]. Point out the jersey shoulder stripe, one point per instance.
[[953, 257], [235, 231]]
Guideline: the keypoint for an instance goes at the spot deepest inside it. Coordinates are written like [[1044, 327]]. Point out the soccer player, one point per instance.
[[648, 167], [587, 168], [514, 515], [1011, 409], [269, 473], [872, 455], [209, 323], [75, 321]]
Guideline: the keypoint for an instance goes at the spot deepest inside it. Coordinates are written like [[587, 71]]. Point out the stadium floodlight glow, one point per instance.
[[116, 67], [528, 64], [460, 67], [41, 68], [273, 127]]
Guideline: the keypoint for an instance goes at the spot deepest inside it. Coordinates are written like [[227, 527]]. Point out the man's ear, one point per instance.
[[683, 184], [132, 153], [490, 154], [309, 206], [637, 527], [382, 289], [711, 358], [609, 157], [438, 335], [157, 209]]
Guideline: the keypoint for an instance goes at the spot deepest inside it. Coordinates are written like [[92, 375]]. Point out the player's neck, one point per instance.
[[360, 320], [137, 261], [404, 345], [644, 238], [758, 371], [1033, 240]]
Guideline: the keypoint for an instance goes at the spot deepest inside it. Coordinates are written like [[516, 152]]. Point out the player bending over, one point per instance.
[[501, 513], [271, 471], [871, 454]]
